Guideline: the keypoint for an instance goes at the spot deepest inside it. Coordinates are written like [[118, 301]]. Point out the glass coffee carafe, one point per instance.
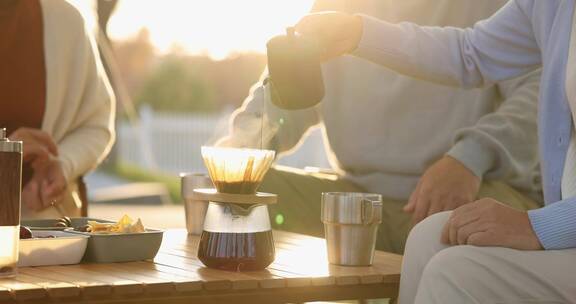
[[237, 233], [236, 237]]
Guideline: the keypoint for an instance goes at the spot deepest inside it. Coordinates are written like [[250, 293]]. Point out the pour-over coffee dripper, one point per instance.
[[237, 232], [237, 171]]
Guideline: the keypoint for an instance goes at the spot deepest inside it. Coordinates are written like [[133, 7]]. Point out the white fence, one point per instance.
[[170, 142]]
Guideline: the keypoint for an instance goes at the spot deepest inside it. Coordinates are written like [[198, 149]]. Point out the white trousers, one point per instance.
[[435, 273]]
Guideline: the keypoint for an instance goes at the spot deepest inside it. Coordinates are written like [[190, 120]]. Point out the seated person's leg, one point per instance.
[[435, 273], [299, 196], [506, 194], [470, 274], [423, 243], [392, 235], [394, 228]]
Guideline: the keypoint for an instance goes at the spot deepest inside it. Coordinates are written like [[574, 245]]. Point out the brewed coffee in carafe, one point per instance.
[[237, 236]]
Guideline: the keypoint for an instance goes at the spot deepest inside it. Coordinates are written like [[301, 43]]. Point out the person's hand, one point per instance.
[[338, 33], [47, 186], [488, 222], [446, 185], [39, 146]]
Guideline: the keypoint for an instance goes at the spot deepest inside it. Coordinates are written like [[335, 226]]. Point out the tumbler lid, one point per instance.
[[9, 146]]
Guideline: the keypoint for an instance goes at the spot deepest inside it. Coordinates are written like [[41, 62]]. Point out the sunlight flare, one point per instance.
[[215, 27]]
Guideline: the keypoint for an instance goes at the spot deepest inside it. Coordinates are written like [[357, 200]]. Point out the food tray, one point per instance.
[[63, 249], [111, 248]]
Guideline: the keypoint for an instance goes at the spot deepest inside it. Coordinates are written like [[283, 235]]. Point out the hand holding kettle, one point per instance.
[[337, 33]]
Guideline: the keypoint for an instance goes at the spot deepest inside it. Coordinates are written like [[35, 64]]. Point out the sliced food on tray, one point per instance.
[[124, 225], [126, 240]]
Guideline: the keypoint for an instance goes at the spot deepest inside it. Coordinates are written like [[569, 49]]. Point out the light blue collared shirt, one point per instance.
[[522, 36]]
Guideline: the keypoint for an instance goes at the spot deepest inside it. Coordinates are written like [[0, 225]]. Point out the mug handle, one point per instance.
[[367, 211]]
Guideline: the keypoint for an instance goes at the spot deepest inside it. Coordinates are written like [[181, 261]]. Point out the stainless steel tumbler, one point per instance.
[[195, 210], [351, 224]]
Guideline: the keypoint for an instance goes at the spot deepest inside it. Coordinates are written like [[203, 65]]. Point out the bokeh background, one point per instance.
[[179, 69]]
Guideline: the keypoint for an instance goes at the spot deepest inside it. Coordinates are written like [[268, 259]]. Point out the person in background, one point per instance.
[[55, 97], [425, 147], [485, 251]]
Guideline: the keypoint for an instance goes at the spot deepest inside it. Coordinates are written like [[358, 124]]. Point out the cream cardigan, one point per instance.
[[80, 105], [79, 100]]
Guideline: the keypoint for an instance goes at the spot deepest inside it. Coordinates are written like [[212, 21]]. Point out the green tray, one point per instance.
[[110, 248]]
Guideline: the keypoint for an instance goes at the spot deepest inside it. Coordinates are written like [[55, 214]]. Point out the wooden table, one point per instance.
[[299, 274]]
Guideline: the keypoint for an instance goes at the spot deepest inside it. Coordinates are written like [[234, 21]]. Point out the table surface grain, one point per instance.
[[300, 273]]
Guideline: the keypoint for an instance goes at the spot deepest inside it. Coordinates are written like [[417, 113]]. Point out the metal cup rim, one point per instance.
[[355, 194]]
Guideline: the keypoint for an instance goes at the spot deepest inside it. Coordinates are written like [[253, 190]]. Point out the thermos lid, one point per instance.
[[9, 146]]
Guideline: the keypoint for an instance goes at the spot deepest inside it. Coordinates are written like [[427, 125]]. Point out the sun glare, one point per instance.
[[214, 27]]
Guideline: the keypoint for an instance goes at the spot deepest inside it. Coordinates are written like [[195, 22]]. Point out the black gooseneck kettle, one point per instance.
[[295, 76]]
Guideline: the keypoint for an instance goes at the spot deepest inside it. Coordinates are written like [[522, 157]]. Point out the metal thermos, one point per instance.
[[351, 223], [10, 180], [10, 189]]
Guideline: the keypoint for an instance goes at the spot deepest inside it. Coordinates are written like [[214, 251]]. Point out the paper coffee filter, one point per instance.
[[237, 170]]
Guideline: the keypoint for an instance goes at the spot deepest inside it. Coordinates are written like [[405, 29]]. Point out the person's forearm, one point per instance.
[[504, 143], [500, 48], [399, 46]]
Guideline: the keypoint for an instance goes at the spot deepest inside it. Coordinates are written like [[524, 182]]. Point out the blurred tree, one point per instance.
[[135, 57], [234, 76], [195, 83], [181, 82], [173, 86]]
